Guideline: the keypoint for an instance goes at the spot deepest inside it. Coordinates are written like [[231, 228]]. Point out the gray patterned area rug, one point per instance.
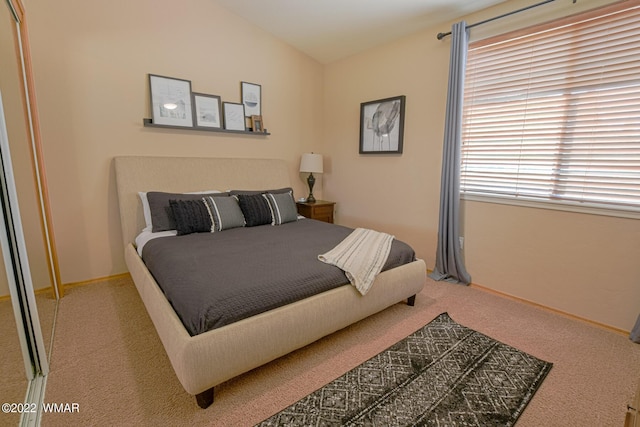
[[444, 374]]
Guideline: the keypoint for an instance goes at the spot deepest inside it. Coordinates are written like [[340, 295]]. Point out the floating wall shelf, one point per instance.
[[149, 123]]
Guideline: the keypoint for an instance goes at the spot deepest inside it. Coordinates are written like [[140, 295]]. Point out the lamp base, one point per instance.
[[311, 180]]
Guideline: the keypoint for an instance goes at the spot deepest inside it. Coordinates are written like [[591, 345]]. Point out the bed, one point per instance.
[[209, 357]]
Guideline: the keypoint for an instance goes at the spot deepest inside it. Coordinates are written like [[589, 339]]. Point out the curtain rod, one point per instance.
[[440, 36]]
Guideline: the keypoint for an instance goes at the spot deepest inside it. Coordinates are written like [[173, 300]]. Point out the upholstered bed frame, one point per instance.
[[208, 359]]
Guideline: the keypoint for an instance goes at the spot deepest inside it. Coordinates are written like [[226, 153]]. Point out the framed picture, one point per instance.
[[170, 101], [251, 94], [256, 123], [207, 110], [233, 116], [382, 126]]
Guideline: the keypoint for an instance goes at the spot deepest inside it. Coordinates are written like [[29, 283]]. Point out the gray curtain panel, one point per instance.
[[449, 261], [635, 333]]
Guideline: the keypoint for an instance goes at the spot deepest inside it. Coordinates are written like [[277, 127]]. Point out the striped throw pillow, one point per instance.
[[224, 212], [283, 207]]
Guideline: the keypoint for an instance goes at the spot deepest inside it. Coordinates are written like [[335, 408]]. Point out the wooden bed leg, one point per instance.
[[411, 301], [205, 399]]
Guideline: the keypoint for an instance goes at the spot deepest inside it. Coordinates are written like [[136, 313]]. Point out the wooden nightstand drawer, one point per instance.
[[321, 210]]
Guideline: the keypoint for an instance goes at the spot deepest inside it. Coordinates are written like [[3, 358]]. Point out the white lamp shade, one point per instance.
[[311, 162]]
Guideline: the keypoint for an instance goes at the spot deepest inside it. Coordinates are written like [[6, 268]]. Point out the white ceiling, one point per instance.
[[328, 30]]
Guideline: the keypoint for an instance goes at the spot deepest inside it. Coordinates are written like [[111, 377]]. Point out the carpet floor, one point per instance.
[[108, 359]]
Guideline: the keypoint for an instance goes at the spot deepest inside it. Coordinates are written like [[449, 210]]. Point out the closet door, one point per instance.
[[25, 261], [16, 263]]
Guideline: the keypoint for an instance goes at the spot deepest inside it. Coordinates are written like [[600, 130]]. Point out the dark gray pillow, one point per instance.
[[191, 216], [250, 192], [161, 214], [225, 213], [283, 208], [255, 209]]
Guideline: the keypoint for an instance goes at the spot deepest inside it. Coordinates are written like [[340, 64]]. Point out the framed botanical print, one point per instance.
[[382, 126]]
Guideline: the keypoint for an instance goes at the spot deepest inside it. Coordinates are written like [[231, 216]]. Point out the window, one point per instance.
[[552, 114]]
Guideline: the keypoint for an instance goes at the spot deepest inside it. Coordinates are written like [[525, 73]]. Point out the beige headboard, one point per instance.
[[184, 174]]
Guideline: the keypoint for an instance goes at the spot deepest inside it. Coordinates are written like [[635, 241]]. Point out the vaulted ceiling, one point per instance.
[[328, 30]]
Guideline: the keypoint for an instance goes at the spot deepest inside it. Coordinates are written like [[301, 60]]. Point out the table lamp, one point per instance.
[[311, 163]]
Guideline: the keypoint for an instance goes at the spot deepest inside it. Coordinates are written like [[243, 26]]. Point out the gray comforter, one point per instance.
[[214, 279]]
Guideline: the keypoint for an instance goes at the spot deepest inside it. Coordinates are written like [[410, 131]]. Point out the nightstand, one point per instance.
[[321, 210]]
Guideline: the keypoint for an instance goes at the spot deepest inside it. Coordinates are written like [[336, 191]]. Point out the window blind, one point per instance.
[[553, 113]]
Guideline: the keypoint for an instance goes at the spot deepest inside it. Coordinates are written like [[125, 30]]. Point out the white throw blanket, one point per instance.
[[361, 255]]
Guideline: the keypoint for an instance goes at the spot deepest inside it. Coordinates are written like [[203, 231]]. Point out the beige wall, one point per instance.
[[586, 265], [19, 143], [91, 62]]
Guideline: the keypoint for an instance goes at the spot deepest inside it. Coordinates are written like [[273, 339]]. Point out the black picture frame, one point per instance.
[[207, 111], [251, 95], [171, 103], [382, 126]]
